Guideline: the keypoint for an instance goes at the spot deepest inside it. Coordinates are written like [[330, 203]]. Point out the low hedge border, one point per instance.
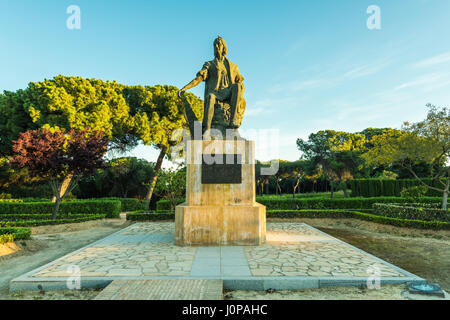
[[413, 211], [290, 214], [127, 204], [13, 234], [320, 203], [411, 223], [44, 220], [112, 208], [143, 215]]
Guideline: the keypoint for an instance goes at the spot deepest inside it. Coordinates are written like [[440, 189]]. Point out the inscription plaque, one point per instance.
[[222, 169]]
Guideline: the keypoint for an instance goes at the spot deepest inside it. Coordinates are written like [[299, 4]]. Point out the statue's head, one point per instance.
[[220, 48]]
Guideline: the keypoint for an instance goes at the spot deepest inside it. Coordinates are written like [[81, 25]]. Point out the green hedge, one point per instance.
[[412, 211], [290, 214], [164, 205], [111, 208], [143, 215], [13, 234], [388, 188], [45, 219], [318, 203], [131, 204], [410, 223]]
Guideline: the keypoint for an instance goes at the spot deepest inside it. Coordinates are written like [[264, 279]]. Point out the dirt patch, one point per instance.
[[56, 295], [8, 248], [387, 292], [49, 243], [71, 227]]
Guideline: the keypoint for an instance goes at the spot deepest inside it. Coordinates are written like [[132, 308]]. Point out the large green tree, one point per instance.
[[157, 114], [427, 141], [338, 165]]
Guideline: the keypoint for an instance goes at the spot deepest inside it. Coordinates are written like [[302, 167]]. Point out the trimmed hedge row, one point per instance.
[[388, 188], [131, 204], [411, 212], [12, 234], [410, 223], [290, 214], [45, 219], [11, 200], [143, 215], [319, 203], [112, 208]]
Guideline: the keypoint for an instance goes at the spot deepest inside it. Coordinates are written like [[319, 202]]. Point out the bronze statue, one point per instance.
[[224, 90]]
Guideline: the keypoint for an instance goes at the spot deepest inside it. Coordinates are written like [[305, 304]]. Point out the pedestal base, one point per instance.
[[220, 225]]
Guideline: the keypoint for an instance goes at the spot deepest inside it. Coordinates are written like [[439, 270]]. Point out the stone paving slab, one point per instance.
[[163, 290], [295, 255]]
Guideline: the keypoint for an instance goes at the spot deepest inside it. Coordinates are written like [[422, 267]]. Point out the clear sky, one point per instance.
[[308, 65]]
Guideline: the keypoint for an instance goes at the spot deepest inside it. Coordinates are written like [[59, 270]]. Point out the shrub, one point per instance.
[[411, 211], [282, 203], [388, 188], [143, 215], [12, 234], [45, 219], [340, 203], [131, 204], [164, 205], [111, 208], [414, 193], [419, 224], [11, 200]]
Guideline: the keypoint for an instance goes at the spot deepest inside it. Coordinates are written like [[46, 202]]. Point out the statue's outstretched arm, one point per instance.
[[191, 84]]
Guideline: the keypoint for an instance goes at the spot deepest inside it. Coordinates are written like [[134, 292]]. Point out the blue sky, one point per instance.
[[308, 65]]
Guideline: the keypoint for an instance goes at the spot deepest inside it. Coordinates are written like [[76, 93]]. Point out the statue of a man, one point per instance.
[[223, 84]]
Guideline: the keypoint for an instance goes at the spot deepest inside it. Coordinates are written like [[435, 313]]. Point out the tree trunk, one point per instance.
[[332, 191], [445, 196], [157, 170], [56, 207], [345, 192], [295, 187], [65, 184]]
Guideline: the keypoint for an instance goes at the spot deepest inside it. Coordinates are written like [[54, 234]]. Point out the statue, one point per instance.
[[224, 89]]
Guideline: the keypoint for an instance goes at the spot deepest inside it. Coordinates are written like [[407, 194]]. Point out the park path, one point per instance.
[[187, 289]]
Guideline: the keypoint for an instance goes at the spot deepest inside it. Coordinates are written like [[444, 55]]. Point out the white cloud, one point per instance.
[[366, 70], [427, 80], [442, 58]]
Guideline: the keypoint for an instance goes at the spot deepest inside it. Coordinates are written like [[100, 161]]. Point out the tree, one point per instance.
[[53, 155], [127, 176], [337, 164], [69, 103], [260, 179], [157, 113], [293, 171], [427, 141], [172, 185]]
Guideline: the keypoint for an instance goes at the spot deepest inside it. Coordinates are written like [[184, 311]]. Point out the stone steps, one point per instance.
[[163, 290]]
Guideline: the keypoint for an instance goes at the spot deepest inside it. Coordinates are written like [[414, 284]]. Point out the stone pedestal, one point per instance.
[[220, 207]]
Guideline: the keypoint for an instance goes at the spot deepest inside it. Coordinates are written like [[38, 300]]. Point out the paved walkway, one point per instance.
[[296, 256], [163, 290]]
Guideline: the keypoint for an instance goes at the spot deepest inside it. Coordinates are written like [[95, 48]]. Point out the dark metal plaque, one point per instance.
[[222, 169]]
